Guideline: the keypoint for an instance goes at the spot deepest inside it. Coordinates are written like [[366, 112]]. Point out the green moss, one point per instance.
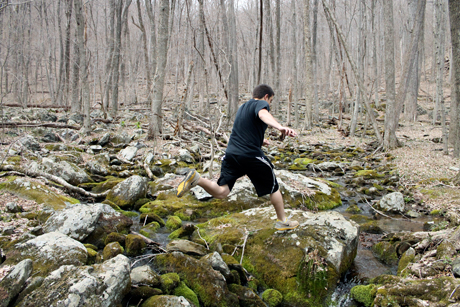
[[353, 209], [406, 258], [87, 245], [150, 230], [169, 282], [364, 294], [183, 290], [386, 252], [135, 245], [272, 297], [367, 173], [111, 250], [437, 212], [35, 191], [93, 256], [151, 217], [360, 219], [173, 223], [115, 237], [106, 185]]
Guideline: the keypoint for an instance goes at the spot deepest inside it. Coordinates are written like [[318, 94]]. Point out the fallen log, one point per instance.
[[49, 125], [59, 180]]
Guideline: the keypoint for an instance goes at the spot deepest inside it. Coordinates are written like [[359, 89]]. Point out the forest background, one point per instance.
[[353, 58]]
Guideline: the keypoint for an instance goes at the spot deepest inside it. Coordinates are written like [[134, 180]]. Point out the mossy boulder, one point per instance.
[[111, 250], [109, 221], [353, 209], [135, 245], [151, 217], [12, 284], [93, 256], [48, 252], [145, 275], [165, 300], [99, 285], [368, 174], [173, 223], [406, 258], [300, 190], [150, 230], [126, 193], [35, 191], [272, 297], [208, 284], [144, 292], [364, 294], [304, 264], [184, 291], [410, 292], [385, 252], [68, 171], [106, 185], [169, 282], [115, 237], [246, 296]]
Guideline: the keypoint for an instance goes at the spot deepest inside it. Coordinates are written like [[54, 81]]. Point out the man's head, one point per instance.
[[263, 91]]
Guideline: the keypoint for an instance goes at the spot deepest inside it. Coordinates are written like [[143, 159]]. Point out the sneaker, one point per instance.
[[190, 180], [286, 225]]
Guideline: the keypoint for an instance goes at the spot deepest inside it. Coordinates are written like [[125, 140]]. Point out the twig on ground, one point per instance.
[[246, 235], [198, 231]]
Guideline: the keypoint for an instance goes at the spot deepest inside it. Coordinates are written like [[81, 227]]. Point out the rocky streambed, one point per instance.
[[120, 237]]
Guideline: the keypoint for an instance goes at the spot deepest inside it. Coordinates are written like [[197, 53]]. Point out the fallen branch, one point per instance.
[[148, 159], [56, 179], [50, 125]]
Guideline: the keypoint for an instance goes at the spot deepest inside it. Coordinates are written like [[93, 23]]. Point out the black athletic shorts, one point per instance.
[[259, 170]]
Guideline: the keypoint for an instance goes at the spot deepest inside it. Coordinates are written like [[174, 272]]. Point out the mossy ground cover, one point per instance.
[[33, 190]]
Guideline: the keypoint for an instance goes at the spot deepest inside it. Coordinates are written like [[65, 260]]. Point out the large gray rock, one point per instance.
[[217, 263], [312, 257], [145, 275], [393, 202], [95, 167], [186, 247], [128, 153], [208, 284], [48, 252], [29, 142], [66, 170], [185, 156], [166, 300], [127, 192], [11, 285], [77, 221], [100, 285]]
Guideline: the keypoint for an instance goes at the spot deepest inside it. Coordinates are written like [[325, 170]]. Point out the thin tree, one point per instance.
[[389, 138], [308, 67], [454, 14], [155, 124]]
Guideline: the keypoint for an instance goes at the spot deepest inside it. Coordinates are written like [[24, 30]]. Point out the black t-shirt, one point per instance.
[[248, 130]]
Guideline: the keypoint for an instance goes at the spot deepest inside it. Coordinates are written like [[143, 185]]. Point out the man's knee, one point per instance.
[[223, 193]]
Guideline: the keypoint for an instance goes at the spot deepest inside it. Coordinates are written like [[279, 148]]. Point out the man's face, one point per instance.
[[268, 99]]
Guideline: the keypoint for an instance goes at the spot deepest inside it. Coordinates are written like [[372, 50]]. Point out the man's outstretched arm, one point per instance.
[[267, 118]]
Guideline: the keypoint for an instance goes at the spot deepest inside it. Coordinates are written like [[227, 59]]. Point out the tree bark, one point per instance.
[[277, 99], [308, 124], [454, 13], [155, 125], [389, 138], [233, 58]]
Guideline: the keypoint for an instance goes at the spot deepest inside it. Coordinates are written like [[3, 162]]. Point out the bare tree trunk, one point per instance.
[[314, 59], [270, 48], [144, 43], [374, 55], [81, 41], [355, 72], [410, 61], [294, 82], [439, 34], [155, 125], [233, 58], [389, 139], [454, 13], [361, 54], [153, 49], [180, 115], [308, 124], [260, 40], [277, 99]]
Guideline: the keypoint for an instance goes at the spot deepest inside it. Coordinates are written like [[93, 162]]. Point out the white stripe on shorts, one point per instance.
[[266, 162]]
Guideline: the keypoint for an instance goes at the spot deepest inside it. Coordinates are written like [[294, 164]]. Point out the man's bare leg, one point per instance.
[[277, 202], [213, 188]]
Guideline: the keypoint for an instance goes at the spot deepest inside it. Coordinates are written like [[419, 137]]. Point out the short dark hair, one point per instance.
[[261, 90]]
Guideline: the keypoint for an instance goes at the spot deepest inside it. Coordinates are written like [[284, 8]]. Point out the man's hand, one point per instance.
[[287, 131], [266, 142]]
